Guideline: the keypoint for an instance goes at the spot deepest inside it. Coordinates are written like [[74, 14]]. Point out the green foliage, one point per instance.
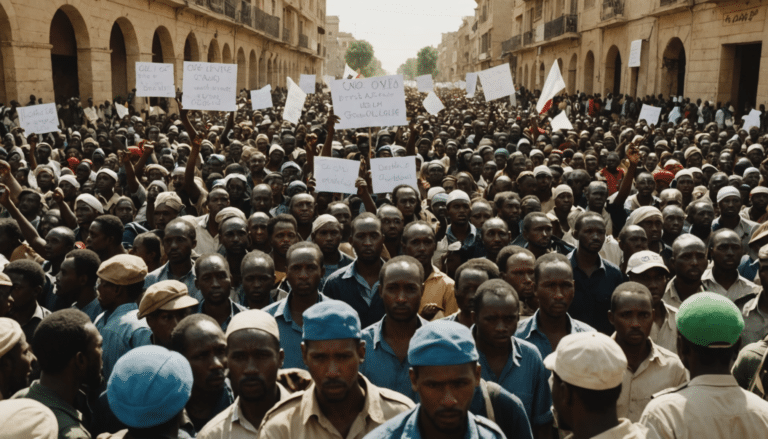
[[426, 63], [408, 69], [359, 55]]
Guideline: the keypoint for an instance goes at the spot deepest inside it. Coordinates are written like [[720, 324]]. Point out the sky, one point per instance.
[[397, 29]]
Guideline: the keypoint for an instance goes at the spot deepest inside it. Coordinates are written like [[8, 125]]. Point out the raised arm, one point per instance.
[[66, 212], [149, 151], [410, 147], [189, 173], [330, 125], [27, 229], [130, 175], [32, 140]]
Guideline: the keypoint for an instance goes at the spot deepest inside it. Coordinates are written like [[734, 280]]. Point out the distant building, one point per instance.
[[337, 44]]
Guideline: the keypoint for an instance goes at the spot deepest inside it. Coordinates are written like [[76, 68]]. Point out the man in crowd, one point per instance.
[[648, 269], [392, 226], [214, 281], [729, 204], [179, 240], [28, 279], [164, 305], [689, 260], [723, 276], [516, 267], [326, 233], [76, 282], [16, 358], [469, 276]]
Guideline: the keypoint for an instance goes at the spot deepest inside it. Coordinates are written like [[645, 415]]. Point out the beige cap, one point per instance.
[[27, 418], [167, 295], [229, 212], [588, 359], [123, 270], [5, 280], [642, 261], [10, 334], [254, 319]]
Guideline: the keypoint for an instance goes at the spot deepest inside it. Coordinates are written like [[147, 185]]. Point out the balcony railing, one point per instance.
[[260, 19], [201, 2], [511, 44], [273, 26], [303, 41], [612, 9], [245, 13], [286, 35], [667, 2], [559, 26], [229, 9], [528, 38]]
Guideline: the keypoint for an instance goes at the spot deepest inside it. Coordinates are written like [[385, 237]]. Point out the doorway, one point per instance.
[[748, 59]]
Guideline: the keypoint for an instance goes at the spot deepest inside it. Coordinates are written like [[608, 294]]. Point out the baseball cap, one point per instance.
[[643, 261], [590, 360]]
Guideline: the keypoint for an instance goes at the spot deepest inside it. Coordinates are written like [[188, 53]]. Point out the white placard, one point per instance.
[[424, 83], [433, 104], [674, 115], [369, 102], [38, 119], [650, 114], [294, 103], [471, 84], [307, 83], [210, 86], [634, 53], [751, 120], [261, 98], [155, 80], [121, 109], [388, 173], [90, 114], [497, 82], [561, 122], [336, 175], [156, 111]]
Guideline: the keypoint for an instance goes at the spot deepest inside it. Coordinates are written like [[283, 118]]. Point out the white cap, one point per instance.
[[590, 360], [457, 194], [643, 261], [538, 170], [728, 191]]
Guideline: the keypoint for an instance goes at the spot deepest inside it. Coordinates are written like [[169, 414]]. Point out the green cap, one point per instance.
[[710, 320]]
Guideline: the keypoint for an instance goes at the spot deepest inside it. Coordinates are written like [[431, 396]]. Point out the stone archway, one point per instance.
[[226, 54], [70, 55], [242, 70], [124, 46], [525, 77], [673, 68], [589, 73], [263, 78], [213, 51], [613, 71], [162, 46], [541, 76], [572, 70], [191, 49], [253, 71]]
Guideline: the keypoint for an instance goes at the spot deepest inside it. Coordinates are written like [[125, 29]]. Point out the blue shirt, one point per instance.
[[344, 261], [508, 410], [349, 286], [93, 309], [528, 330], [406, 426], [472, 244], [164, 273], [748, 268], [290, 331], [524, 376], [592, 298], [381, 365], [235, 308], [122, 331]]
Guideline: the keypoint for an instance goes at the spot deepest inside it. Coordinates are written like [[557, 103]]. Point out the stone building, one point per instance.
[[336, 43], [56, 49]]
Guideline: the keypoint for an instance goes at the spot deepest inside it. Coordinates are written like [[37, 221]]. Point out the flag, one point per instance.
[[551, 88], [547, 106]]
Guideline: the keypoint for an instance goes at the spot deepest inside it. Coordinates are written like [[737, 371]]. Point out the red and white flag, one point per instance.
[[552, 87]]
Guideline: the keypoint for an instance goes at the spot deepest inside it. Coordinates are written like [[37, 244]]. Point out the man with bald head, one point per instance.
[[729, 202], [495, 235], [723, 277], [257, 232], [214, 281], [632, 239], [206, 228], [670, 197], [674, 220], [689, 260], [392, 225], [233, 233], [178, 241], [699, 216], [261, 198]]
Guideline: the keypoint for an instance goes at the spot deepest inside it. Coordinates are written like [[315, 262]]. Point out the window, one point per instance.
[[539, 9], [273, 7]]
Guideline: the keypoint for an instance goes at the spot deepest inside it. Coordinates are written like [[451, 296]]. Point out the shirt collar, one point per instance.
[[378, 329], [284, 310], [165, 272], [412, 430], [470, 236], [751, 305], [237, 413], [725, 380], [575, 262], [310, 407]]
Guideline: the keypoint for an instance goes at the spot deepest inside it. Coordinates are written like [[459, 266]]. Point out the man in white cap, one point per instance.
[[460, 229], [27, 418], [648, 269], [729, 202], [651, 220], [326, 233], [87, 208], [543, 176], [16, 358], [759, 199], [588, 371], [105, 186]]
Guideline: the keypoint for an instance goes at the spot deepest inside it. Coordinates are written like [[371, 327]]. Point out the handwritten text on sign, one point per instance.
[[336, 175], [210, 86], [39, 119], [388, 173], [154, 80], [369, 102]]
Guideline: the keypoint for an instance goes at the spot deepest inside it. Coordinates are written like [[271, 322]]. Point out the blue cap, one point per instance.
[[148, 386], [331, 320], [442, 343]]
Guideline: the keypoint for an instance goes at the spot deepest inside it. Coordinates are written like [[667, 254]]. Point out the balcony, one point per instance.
[[528, 38], [272, 27], [216, 6], [511, 45], [230, 10], [612, 9], [245, 13], [303, 41], [559, 26], [286, 35]]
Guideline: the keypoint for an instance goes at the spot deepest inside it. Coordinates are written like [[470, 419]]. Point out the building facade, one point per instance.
[[337, 44], [57, 49]]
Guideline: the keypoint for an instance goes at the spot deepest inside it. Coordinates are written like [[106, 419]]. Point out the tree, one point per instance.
[[408, 69], [359, 54], [426, 61]]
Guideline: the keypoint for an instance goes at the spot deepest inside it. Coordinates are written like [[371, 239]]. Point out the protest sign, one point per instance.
[[38, 119], [294, 103], [497, 82], [156, 111], [433, 104], [261, 98], [425, 83], [210, 86], [471, 84], [336, 175], [388, 173], [650, 114], [90, 114], [307, 83], [369, 102], [561, 122], [634, 53], [122, 111], [155, 80], [751, 120]]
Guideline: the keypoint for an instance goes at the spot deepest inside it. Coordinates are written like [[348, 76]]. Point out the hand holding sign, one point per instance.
[[39, 119]]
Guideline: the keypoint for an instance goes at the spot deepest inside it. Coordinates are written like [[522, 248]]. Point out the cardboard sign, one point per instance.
[[294, 103], [471, 84], [433, 104], [497, 82], [336, 175], [155, 80], [751, 120], [424, 83], [650, 114], [561, 122], [369, 102], [634, 53], [210, 86], [388, 173], [121, 109], [261, 98], [39, 119], [307, 83]]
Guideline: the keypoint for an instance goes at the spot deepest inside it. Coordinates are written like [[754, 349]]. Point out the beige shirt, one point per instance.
[[671, 297], [739, 290], [231, 424], [438, 288], [625, 430], [666, 334], [205, 242], [709, 406], [661, 370], [300, 415]]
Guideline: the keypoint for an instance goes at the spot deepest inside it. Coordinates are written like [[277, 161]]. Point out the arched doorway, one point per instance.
[[253, 71], [613, 71], [226, 54], [541, 76], [71, 70], [263, 78], [125, 53], [572, 74], [589, 72], [191, 51], [673, 68], [162, 46], [213, 51], [242, 72]]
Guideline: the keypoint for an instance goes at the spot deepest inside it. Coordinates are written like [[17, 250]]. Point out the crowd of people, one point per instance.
[[177, 274]]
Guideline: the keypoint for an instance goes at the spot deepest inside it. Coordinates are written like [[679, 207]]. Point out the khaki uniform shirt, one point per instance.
[[625, 430], [661, 370], [231, 424], [300, 415], [666, 334], [438, 288], [671, 297], [738, 292], [709, 406], [205, 242]]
